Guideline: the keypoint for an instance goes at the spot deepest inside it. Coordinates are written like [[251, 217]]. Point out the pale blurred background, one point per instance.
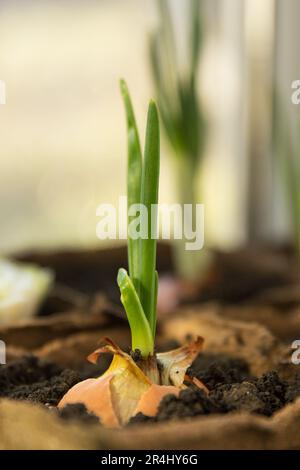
[[62, 130]]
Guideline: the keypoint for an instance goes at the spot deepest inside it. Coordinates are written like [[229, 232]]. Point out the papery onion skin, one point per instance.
[[150, 400], [95, 394]]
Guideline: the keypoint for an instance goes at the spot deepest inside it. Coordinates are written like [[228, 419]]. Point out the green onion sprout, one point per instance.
[[139, 287]]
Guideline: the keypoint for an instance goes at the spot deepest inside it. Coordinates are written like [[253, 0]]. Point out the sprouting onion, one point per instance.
[[130, 386], [139, 287]]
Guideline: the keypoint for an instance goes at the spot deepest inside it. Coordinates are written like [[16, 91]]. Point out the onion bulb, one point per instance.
[[127, 387]]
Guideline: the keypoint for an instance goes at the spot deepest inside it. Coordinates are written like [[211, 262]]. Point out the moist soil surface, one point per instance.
[[35, 380], [231, 388], [32, 379]]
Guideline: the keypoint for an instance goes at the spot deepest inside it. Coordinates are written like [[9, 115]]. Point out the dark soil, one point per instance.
[[264, 395], [231, 388], [293, 389], [33, 379], [78, 411], [39, 381], [215, 369]]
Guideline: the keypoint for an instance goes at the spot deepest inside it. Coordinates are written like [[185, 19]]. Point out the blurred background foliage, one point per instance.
[[63, 139], [176, 87]]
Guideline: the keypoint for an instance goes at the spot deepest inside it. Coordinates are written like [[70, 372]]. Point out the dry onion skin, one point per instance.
[[125, 390]]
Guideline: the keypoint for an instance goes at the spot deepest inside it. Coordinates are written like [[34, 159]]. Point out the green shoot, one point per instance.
[[180, 108], [134, 177], [149, 197], [140, 330], [286, 149], [139, 289]]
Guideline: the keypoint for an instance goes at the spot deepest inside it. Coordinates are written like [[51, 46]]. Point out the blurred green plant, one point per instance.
[[180, 108], [287, 151]]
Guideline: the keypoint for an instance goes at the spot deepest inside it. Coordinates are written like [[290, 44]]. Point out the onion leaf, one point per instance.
[[149, 198], [142, 338], [139, 288], [134, 174]]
